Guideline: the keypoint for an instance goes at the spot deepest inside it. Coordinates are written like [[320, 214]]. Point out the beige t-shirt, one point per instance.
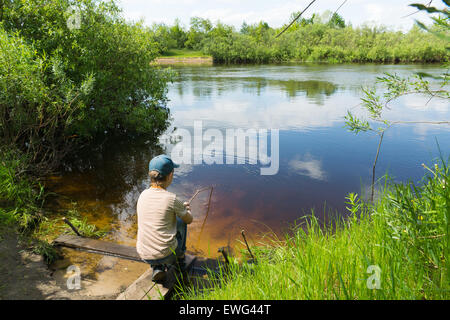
[[157, 210]]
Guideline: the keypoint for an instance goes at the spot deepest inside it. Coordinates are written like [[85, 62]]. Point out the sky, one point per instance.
[[389, 13]]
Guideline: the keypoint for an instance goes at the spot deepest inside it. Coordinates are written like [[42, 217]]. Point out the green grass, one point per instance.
[[404, 235], [21, 208], [183, 53], [21, 197]]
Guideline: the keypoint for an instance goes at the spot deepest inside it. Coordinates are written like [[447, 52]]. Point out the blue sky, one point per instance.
[[276, 13]]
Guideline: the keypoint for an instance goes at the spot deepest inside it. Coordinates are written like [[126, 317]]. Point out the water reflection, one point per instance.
[[307, 166], [314, 90], [320, 162]]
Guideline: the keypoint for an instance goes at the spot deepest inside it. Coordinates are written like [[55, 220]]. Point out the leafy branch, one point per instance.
[[374, 104]]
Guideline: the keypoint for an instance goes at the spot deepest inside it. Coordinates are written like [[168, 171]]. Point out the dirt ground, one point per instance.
[[25, 276], [184, 60]]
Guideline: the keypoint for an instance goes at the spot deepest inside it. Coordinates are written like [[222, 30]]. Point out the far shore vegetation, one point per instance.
[[324, 37]]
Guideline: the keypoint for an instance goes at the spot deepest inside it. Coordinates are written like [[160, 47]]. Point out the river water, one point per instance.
[[319, 163]]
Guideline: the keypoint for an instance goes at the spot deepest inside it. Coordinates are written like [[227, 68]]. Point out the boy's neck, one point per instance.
[[154, 186]]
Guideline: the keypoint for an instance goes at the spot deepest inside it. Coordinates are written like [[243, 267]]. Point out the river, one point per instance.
[[319, 163]]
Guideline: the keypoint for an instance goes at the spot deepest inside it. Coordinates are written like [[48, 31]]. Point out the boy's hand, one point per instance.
[[187, 218]]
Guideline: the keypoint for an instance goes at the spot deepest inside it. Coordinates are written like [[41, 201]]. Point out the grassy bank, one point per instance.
[[184, 53], [68, 87], [22, 211], [395, 249]]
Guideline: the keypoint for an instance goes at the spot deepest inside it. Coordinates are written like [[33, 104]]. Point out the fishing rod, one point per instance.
[[206, 216], [198, 191], [295, 19], [211, 188]]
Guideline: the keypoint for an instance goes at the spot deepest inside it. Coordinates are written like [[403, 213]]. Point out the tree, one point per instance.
[[178, 35], [397, 87], [337, 21], [198, 31], [63, 86]]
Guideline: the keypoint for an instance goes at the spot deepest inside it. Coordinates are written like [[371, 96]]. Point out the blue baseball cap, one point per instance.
[[163, 164]]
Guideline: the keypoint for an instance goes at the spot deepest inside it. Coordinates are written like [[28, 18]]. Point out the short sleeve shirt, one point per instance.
[[157, 210]]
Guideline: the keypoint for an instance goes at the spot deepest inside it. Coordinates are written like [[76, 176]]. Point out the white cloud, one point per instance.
[[389, 13], [307, 166]]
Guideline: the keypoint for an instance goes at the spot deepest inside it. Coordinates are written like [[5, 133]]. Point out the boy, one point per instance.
[[162, 220]]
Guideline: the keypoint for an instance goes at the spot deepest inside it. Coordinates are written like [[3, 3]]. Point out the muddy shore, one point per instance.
[[25, 275]]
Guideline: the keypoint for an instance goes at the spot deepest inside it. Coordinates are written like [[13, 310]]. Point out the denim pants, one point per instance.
[[179, 251]]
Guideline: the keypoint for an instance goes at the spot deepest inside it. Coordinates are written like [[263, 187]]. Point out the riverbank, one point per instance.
[[183, 61], [183, 57], [397, 248], [25, 275]]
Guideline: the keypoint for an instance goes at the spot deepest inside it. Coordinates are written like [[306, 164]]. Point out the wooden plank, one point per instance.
[[144, 288], [98, 246]]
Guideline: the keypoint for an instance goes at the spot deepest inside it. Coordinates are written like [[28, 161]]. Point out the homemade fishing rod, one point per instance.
[[338, 8], [211, 188], [198, 191], [295, 19]]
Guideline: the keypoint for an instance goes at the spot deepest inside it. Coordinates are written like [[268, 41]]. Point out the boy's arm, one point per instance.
[[183, 210]]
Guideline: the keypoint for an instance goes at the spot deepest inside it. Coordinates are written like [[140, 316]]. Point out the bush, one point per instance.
[[322, 42], [63, 86]]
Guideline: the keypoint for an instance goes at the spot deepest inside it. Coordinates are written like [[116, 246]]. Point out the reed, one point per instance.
[[395, 248]]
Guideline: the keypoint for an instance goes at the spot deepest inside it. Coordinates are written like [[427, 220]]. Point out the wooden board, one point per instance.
[[144, 288], [98, 246]]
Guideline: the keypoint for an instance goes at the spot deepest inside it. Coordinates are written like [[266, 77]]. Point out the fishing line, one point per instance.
[[206, 216], [339, 8], [211, 188], [295, 19]]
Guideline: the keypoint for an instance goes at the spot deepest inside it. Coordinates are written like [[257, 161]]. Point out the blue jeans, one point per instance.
[[179, 251]]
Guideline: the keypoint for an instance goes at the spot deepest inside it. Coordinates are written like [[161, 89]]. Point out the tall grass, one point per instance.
[[21, 198], [21, 208], [397, 248]]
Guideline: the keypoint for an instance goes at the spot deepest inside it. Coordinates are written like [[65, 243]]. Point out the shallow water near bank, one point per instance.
[[320, 162]]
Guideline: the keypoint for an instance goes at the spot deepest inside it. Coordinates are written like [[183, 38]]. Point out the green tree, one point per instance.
[[198, 31], [396, 87], [178, 35], [63, 86]]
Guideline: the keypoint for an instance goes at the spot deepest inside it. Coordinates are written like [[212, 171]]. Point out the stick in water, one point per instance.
[[72, 226], [248, 248]]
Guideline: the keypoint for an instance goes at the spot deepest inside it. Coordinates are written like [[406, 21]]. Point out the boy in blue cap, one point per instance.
[[162, 220]]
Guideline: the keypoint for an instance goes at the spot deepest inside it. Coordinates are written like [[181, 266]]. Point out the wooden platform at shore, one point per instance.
[[98, 246], [143, 288]]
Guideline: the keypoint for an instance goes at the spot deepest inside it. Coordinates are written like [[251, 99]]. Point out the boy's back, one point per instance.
[[157, 210]]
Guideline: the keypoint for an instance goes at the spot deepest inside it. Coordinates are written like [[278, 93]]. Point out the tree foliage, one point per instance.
[[323, 37], [394, 86], [64, 85]]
